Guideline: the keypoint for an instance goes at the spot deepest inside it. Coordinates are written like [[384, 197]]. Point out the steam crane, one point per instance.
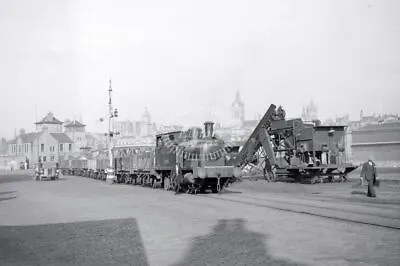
[[304, 152], [260, 138]]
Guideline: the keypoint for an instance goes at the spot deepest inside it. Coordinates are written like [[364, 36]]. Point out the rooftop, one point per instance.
[[49, 119], [26, 138], [61, 137], [74, 123]]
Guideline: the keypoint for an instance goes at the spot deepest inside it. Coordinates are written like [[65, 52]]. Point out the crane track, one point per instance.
[[317, 207], [310, 212]]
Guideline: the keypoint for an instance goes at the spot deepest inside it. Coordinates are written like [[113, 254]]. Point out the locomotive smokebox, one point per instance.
[[209, 129]]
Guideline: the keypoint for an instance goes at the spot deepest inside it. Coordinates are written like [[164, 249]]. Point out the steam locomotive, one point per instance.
[[195, 160], [189, 161]]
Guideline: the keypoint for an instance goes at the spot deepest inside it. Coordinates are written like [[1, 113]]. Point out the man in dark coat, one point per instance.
[[368, 172]]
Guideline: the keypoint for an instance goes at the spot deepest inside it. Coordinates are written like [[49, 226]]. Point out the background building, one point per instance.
[[146, 126], [3, 147], [310, 112], [125, 128], [238, 111], [48, 143], [49, 123], [380, 140], [76, 131]]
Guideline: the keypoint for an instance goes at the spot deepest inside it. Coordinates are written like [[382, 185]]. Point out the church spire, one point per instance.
[[238, 96], [238, 109], [238, 100]]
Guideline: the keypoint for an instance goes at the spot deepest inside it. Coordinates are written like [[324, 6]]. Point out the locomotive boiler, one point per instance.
[[195, 160]]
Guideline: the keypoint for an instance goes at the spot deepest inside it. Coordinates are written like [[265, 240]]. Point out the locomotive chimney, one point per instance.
[[209, 128]]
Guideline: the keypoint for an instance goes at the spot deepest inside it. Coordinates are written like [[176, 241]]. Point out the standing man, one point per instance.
[[368, 172]]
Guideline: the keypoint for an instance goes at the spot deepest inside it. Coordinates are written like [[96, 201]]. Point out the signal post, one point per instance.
[[111, 175]]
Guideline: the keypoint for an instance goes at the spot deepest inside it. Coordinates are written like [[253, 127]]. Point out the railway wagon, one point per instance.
[[186, 161], [79, 166], [92, 169], [101, 166], [135, 164], [65, 166]]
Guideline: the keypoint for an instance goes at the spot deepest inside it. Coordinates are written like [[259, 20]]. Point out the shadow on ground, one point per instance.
[[97, 243], [7, 198], [228, 191], [15, 178], [357, 192], [7, 192], [230, 243]]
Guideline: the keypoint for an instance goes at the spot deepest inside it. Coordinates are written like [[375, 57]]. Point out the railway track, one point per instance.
[[370, 216], [378, 215]]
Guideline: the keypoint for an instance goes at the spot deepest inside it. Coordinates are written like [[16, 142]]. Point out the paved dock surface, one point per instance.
[[79, 221]]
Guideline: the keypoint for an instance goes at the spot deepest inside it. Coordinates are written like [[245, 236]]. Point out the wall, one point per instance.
[[79, 139], [383, 135], [51, 128], [20, 152], [48, 142], [375, 142], [384, 155]]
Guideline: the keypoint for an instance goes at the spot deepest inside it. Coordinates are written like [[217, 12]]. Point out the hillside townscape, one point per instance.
[[377, 135]]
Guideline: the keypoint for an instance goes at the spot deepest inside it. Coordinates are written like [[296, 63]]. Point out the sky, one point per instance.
[[181, 58]]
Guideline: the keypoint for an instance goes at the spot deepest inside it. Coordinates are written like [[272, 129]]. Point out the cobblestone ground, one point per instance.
[[78, 221]]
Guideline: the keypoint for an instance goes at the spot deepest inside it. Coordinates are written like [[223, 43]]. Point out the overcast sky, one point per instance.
[[180, 56]]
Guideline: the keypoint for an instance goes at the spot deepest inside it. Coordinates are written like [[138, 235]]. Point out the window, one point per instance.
[[70, 147], [42, 147], [44, 158], [51, 148], [61, 147], [52, 158]]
